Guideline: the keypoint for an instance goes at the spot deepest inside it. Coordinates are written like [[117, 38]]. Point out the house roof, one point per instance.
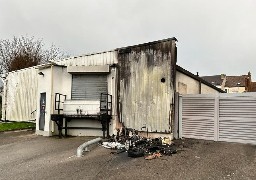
[[236, 81], [186, 72], [231, 81], [253, 87], [215, 80]]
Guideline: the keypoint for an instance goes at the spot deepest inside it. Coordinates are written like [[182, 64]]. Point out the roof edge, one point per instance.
[[180, 69], [117, 49], [149, 43]]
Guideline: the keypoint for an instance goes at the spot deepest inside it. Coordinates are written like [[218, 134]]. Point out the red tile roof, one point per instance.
[[253, 87], [236, 81]]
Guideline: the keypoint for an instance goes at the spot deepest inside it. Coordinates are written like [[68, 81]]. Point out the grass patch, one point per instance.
[[7, 126]]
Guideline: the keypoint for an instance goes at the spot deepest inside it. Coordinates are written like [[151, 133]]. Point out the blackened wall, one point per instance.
[[146, 86]]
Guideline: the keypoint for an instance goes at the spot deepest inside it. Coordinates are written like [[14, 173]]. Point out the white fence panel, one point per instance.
[[223, 117], [198, 117], [237, 118]]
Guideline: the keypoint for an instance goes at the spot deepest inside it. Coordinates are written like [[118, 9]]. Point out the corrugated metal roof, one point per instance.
[[97, 59], [104, 55]]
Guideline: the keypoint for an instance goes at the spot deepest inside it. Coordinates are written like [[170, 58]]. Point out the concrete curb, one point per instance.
[[18, 130]]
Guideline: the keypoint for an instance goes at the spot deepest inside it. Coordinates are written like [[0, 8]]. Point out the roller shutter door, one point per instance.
[[88, 87]]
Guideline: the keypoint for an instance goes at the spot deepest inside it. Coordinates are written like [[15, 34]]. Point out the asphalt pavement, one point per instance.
[[24, 155]]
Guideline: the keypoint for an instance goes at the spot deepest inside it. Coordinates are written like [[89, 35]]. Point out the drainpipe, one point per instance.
[[52, 103], [84, 147], [5, 97], [200, 87], [173, 86], [200, 84]]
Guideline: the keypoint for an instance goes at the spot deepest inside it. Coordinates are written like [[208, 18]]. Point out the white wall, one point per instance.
[[208, 90], [24, 88], [112, 89], [62, 81], [235, 89], [98, 59], [19, 97], [187, 85], [60, 84], [88, 107], [185, 82], [45, 86], [58, 80], [55, 80]]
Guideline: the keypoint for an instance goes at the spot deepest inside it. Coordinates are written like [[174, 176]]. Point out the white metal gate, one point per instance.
[[220, 117]]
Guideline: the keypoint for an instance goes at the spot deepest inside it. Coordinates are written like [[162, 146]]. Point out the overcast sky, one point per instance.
[[214, 37]]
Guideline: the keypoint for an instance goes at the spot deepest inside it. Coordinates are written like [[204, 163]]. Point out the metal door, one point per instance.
[[42, 111]]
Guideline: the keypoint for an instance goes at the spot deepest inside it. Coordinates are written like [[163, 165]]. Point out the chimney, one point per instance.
[[222, 76], [248, 82], [249, 75]]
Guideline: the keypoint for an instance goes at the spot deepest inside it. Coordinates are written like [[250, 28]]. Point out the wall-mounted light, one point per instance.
[[41, 73]]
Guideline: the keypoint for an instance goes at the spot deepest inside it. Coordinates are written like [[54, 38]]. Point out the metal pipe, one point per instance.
[[5, 98], [200, 87], [51, 123], [84, 147]]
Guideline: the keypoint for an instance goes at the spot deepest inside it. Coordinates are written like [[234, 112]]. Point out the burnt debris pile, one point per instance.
[[128, 140]]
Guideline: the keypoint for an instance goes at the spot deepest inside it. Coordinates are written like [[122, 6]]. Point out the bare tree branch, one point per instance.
[[22, 52]]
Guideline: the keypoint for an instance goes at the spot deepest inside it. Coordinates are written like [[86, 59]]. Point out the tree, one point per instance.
[[0, 107], [22, 52]]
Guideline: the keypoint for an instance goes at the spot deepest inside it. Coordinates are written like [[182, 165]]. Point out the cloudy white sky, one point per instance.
[[217, 36]]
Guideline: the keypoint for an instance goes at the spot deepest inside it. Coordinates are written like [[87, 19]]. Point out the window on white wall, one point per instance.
[[88, 86]]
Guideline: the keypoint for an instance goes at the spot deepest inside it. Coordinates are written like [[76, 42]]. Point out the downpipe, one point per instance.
[[84, 147]]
